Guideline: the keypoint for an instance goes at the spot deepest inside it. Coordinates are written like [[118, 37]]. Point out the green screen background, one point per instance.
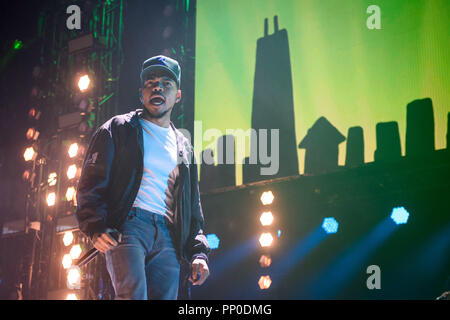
[[341, 70]]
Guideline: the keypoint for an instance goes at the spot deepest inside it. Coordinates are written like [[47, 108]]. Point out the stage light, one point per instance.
[[213, 241], [74, 278], [73, 150], [264, 282], [75, 252], [52, 179], [70, 194], [36, 72], [26, 175], [330, 225], [34, 91], [18, 44], [32, 134], [266, 218], [266, 239], [66, 261], [267, 197], [400, 215], [29, 154], [72, 171], [68, 238], [72, 296], [51, 199], [84, 127], [34, 114], [84, 82], [83, 105], [265, 261]]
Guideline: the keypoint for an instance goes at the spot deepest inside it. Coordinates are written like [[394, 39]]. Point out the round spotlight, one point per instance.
[[213, 241], [18, 44], [68, 238], [267, 198], [67, 261], [72, 296], [264, 282], [73, 150], [29, 154], [51, 199], [83, 105], [32, 134], [34, 114], [84, 82], [330, 225], [74, 278], [75, 252], [266, 239], [70, 194], [26, 175], [265, 261], [400, 215], [266, 218], [52, 179], [84, 128], [72, 171]]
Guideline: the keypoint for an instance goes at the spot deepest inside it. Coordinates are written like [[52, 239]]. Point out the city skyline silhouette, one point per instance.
[[273, 108]]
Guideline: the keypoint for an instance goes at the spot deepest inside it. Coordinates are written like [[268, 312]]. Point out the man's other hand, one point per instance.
[[103, 242], [199, 266]]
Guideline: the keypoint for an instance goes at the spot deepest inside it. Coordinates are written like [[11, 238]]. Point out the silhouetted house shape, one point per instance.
[[419, 127], [355, 147], [388, 142], [321, 144], [273, 104], [226, 167], [208, 172]]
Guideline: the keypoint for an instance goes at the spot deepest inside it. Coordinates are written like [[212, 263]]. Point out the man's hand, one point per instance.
[[103, 242], [199, 266]]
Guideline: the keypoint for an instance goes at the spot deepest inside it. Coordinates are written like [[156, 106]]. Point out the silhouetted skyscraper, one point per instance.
[[223, 174], [273, 105], [355, 147], [322, 147], [226, 167], [419, 127], [388, 142], [208, 176]]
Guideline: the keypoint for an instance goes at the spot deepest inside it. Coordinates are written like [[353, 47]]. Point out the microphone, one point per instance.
[[444, 296], [92, 253]]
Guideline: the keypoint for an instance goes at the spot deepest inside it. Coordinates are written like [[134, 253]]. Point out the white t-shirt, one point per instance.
[[160, 170]]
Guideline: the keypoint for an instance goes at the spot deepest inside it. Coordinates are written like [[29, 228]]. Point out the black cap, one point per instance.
[[161, 63]]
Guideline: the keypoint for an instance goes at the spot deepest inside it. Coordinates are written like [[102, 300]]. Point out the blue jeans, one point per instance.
[[144, 265]]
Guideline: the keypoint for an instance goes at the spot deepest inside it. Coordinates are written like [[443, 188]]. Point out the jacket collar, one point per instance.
[[183, 146]]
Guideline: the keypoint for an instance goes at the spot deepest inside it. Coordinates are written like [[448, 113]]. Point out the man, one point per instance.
[[140, 179]]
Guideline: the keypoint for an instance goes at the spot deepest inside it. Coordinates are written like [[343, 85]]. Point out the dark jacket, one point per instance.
[[111, 178]]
